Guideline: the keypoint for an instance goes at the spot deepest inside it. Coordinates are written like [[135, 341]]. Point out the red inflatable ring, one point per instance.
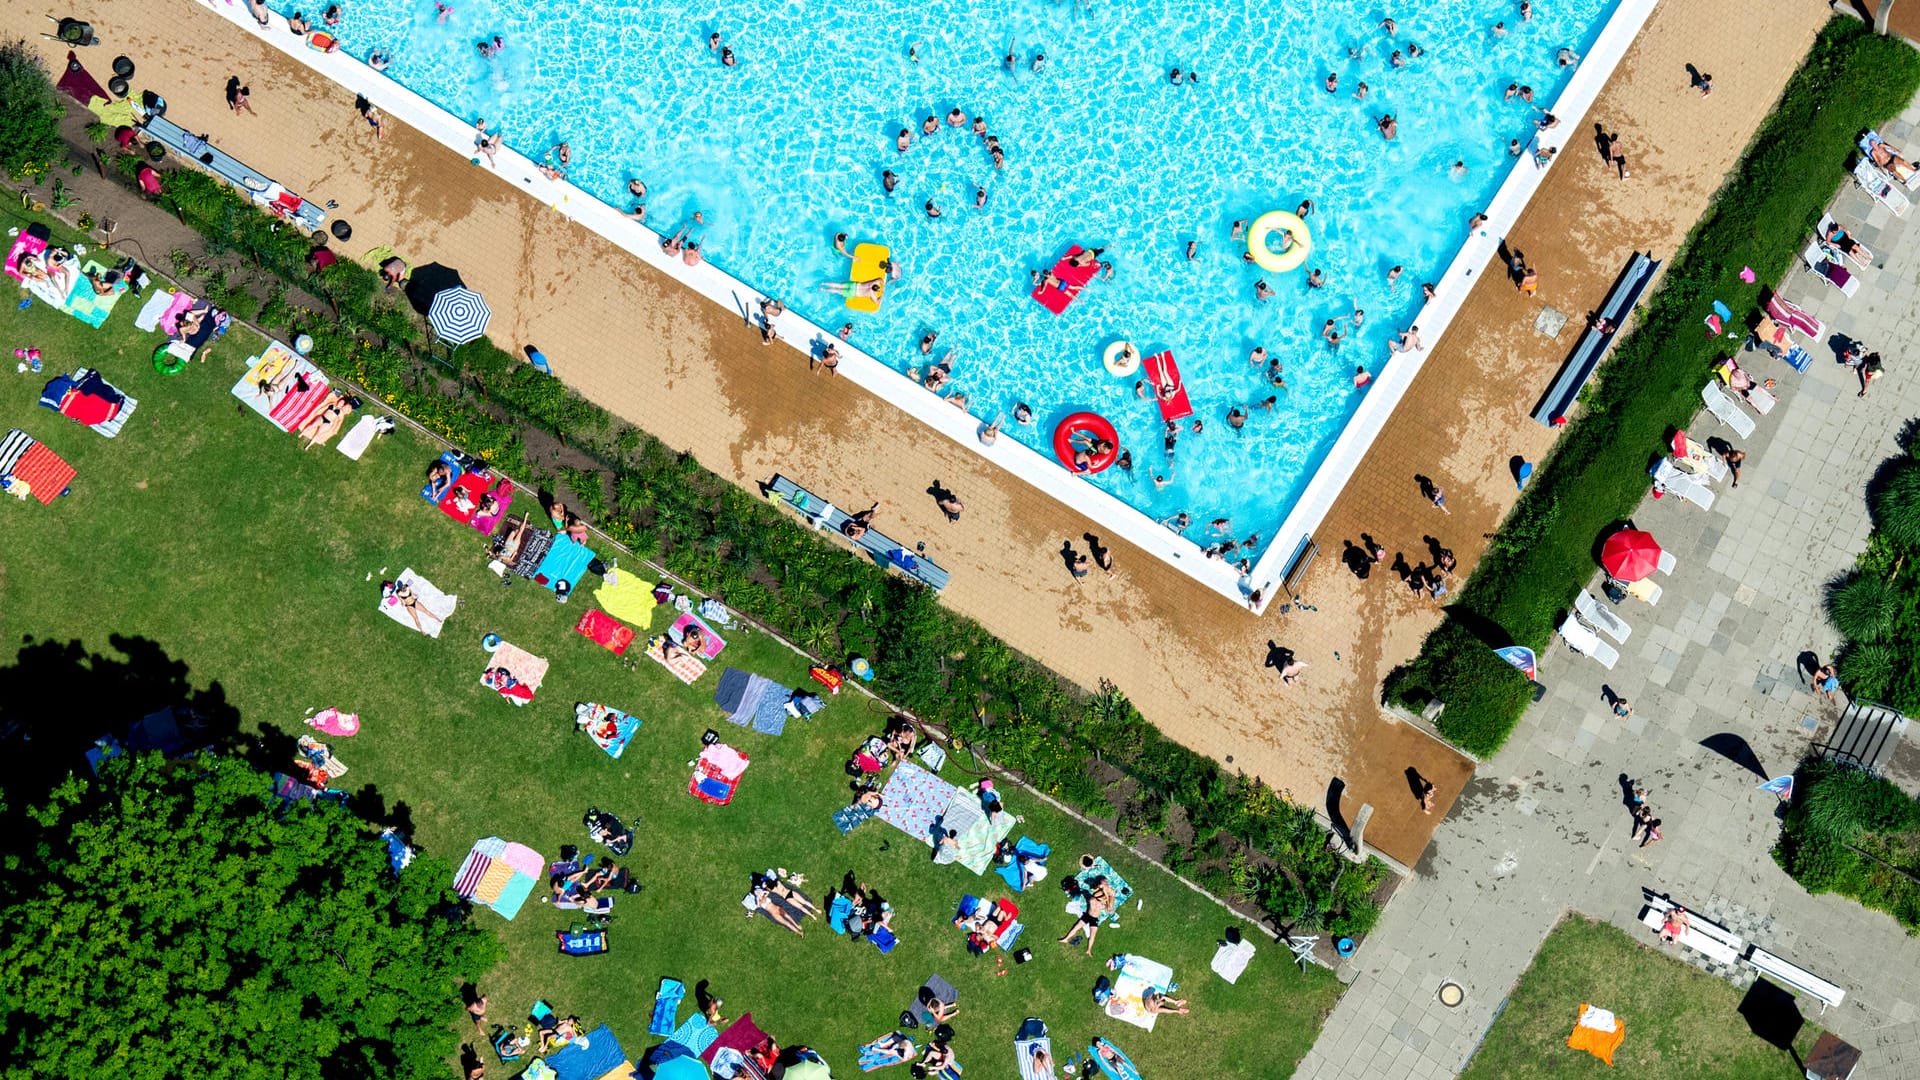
[[1092, 424]]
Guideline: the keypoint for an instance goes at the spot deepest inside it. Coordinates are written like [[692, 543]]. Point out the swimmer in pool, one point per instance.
[[1458, 170], [1239, 230], [1396, 60], [1039, 62], [1333, 84], [636, 189], [1304, 210], [889, 180], [930, 126], [926, 343], [1125, 462], [1236, 418], [846, 331], [1389, 127], [933, 211], [1022, 414], [903, 140], [840, 244], [1360, 94], [979, 198], [1315, 278], [727, 59], [999, 160], [1513, 91], [956, 118], [979, 125], [1331, 331], [1258, 356], [713, 42], [1193, 248]]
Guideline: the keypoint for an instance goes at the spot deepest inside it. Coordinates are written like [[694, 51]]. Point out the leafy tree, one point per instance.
[[1896, 510], [29, 112], [176, 921], [1864, 608]]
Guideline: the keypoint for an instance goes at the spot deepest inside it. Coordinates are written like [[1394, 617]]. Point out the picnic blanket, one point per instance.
[[1598, 1032], [678, 632], [433, 607], [979, 835], [740, 1035], [684, 666], [1029, 864], [87, 398], [27, 467], [1231, 959], [524, 671], [499, 874], [893, 1048], [913, 800], [1122, 892], [467, 488], [606, 631], [611, 728], [532, 550], [88, 306], [566, 561], [331, 721], [283, 387], [753, 701], [161, 303], [1137, 975], [624, 596]]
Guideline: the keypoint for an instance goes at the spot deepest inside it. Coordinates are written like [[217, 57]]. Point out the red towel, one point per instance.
[[608, 631], [475, 485], [87, 408], [294, 409], [44, 473]]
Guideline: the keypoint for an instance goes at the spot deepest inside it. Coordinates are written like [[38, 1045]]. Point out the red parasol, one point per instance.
[[1630, 554]]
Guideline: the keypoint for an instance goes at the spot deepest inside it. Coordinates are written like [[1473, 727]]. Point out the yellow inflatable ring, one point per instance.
[[1264, 227], [1122, 358]]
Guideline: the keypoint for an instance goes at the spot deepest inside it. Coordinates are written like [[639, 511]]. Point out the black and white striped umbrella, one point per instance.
[[458, 315]]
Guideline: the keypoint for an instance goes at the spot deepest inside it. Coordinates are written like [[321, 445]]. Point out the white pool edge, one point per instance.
[[1316, 500]]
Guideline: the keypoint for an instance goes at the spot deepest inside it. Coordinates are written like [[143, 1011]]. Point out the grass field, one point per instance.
[[1682, 1024], [205, 546]]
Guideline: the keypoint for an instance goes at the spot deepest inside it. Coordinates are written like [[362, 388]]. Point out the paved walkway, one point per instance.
[[1542, 827]]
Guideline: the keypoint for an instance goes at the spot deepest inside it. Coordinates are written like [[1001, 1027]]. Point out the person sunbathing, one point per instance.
[[439, 479], [404, 595], [565, 1031], [488, 507], [1841, 239], [463, 501], [783, 891], [1675, 924], [890, 1049], [762, 900], [1100, 903], [855, 526], [1891, 160], [901, 737], [694, 639], [1156, 1002], [322, 425]]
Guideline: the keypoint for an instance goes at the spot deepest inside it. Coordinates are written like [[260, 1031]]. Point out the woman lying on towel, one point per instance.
[[509, 687], [439, 479], [322, 425], [771, 897], [402, 593]]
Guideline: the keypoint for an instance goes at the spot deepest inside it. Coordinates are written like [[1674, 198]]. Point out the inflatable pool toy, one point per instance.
[[1073, 279], [1122, 359], [303, 344], [1162, 371], [1090, 424], [169, 361], [869, 263], [322, 41], [490, 642], [1263, 229]]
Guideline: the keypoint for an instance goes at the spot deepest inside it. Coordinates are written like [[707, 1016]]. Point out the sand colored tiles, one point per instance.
[[695, 375]]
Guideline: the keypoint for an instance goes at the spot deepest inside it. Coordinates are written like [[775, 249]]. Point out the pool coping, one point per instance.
[[1035, 468]]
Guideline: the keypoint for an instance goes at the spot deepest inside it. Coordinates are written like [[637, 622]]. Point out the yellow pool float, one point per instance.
[[1263, 229], [868, 265], [1122, 358]]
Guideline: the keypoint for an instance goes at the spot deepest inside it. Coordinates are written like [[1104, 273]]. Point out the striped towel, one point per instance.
[[684, 666], [295, 407], [471, 872]]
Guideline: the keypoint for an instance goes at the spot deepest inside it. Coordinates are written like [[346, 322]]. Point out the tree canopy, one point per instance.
[[176, 920], [29, 111]]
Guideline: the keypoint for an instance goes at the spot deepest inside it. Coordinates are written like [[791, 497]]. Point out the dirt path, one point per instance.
[[692, 374]]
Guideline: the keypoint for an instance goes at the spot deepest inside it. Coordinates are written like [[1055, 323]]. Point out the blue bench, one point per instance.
[[822, 514], [1593, 344]]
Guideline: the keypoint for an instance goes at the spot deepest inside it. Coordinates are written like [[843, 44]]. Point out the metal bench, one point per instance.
[[1704, 936], [822, 514], [1796, 978]]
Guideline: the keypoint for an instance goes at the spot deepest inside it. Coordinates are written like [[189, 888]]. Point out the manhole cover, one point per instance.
[[1451, 994], [1549, 322]]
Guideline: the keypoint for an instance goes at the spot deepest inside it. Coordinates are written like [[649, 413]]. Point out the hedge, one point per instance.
[[1856, 834], [661, 504], [1853, 79]]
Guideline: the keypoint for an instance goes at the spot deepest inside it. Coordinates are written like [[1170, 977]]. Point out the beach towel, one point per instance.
[[624, 596], [852, 816], [272, 386], [913, 799], [334, 722], [770, 716], [684, 666], [611, 728], [1798, 359], [498, 875], [1033, 1051], [159, 301], [566, 561], [696, 1034], [605, 631], [732, 689], [585, 943], [1137, 975], [431, 607], [1598, 1032], [678, 632], [666, 1006], [1231, 959], [91, 307], [524, 672], [589, 1057], [29, 468], [168, 320], [361, 436], [468, 486], [740, 1035], [1029, 864], [979, 836], [1122, 892], [892, 1048], [502, 494], [86, 398]]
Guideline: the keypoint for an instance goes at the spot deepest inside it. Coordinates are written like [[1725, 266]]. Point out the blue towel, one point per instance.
[[883, 939], [666, 1006], [566, 560], [770, 717], [733, 686], [594, 1056], [696, 1034], [837, 913], [1799, 359]]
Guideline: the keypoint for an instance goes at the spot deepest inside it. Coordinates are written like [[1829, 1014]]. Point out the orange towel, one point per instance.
[[1600, 1044]]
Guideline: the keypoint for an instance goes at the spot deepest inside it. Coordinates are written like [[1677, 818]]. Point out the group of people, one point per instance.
[[587, 886], [930, 125], [1645, 825]]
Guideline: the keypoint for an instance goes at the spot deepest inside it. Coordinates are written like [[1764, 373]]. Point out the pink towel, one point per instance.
[[294, 408], [335, 722]]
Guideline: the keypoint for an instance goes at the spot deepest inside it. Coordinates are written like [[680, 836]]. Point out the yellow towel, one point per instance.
[[493, 882]]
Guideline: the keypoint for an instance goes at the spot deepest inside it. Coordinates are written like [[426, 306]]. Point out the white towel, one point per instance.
[[361, 436], [1598, 1019], [433, 603], [149, 317], [1231, 960]]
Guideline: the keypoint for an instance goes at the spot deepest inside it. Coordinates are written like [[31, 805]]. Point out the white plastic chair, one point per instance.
[[1683, 485], [1726, 410]]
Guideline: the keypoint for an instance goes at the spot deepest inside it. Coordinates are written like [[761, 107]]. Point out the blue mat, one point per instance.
[[666, 1006], [452, 462], [1027, 850], [601, 1055], [566, 560]]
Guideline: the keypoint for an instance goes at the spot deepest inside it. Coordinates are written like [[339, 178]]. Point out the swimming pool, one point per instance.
[[786, 149]]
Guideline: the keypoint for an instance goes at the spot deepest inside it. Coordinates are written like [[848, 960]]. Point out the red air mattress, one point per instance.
[[1072, 280], [1162, 370]]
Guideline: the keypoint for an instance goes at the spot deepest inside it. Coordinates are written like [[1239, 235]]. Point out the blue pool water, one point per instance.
[[786, 149]]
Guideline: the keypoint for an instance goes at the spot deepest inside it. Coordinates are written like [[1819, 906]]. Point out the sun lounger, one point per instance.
[[434, 607], [1881, 186], [1593, 345], [1702, 935], [1600, 615], [1584, 641], [1898, 167], [1855, 252], [1692, 455], [28, 468], [822, 514], [1643, 590], [1726, 410], [1666, 562], [1830, 271], [262, 190], [1682, 484]]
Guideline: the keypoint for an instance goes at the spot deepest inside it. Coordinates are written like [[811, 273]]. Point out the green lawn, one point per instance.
[[205, 531], [1682, 1024]]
